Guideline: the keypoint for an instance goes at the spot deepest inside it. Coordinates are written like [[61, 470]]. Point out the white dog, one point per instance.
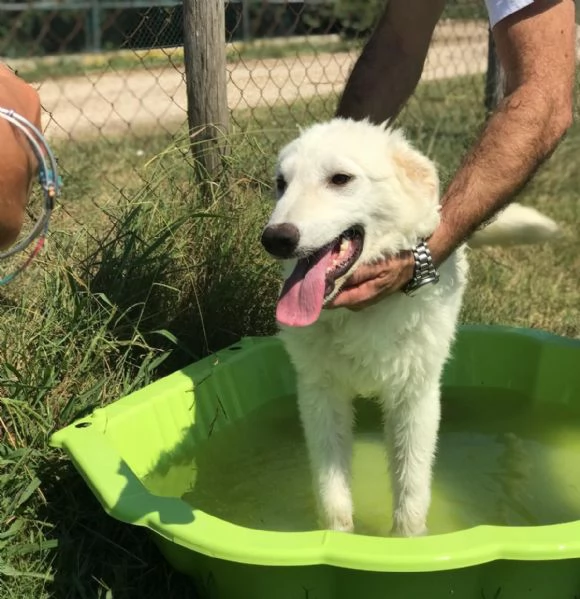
[[350, 193]]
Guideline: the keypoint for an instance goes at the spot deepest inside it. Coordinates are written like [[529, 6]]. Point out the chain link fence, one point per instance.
[[112, 71], [120, 70]]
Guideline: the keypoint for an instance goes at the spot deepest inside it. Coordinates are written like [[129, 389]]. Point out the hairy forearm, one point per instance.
[[522, 133], [383, 79], [391, 63]]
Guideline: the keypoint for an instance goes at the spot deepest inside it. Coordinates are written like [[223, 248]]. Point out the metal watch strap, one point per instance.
[[424, 271]]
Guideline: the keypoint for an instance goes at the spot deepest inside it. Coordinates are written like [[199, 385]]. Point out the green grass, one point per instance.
[[146, 270]]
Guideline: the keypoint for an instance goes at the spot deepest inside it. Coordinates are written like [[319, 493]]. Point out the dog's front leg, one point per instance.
[[327, 420], [411, 428]]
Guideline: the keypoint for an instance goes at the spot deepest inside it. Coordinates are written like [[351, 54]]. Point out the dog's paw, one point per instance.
[[338, 517], [344, 524], [336, 504], [408, 530], [341, 524], [335, 518]]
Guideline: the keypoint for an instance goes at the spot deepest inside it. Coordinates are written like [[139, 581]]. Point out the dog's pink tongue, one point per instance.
[[302, 296]]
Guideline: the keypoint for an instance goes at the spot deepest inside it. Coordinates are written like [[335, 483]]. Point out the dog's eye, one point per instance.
[[280, 184], [340, 179]]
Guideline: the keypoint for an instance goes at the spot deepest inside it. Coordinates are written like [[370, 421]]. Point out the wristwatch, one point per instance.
[[424, 271]]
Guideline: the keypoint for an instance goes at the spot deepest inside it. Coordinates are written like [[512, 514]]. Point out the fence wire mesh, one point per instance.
[[112, 75]]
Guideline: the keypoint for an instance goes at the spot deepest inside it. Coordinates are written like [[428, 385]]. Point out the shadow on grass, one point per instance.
[[183, 266], [98, 556], [179, 280]]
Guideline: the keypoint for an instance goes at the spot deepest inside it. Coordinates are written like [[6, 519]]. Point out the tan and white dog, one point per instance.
[[348, 193]]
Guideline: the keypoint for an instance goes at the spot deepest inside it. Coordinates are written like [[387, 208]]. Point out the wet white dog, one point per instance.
[[349, 193]]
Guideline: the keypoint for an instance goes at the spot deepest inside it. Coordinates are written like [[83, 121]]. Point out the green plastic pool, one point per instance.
[[211, 460]]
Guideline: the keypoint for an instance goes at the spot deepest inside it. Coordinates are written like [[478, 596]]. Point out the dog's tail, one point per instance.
[[516, 225]]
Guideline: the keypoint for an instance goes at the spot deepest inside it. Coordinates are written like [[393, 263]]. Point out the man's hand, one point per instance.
[[384, 77], [371, 283], [536, 47], [18, 164]]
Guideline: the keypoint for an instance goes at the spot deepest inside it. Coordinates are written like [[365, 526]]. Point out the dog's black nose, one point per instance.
[[281, 240]]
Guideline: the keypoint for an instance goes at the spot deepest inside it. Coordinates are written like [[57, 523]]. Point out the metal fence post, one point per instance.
[[93, 20], [206, 80], [246, 29]]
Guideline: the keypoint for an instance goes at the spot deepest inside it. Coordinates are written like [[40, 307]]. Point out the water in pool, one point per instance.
[[499, 461]]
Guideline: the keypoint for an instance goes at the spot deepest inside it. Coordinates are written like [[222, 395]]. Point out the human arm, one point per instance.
[[390, 65], [536, 47], [18, 165]]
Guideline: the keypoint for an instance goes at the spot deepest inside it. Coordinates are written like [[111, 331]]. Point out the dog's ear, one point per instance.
[[416, 173]]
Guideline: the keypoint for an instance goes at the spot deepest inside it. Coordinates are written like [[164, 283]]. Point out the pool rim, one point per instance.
[[85, 443]]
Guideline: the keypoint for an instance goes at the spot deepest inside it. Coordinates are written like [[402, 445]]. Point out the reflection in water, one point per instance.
[[500, 461], [513, 477]]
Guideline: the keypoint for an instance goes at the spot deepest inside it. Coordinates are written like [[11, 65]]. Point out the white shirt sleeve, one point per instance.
[[500, 9]]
